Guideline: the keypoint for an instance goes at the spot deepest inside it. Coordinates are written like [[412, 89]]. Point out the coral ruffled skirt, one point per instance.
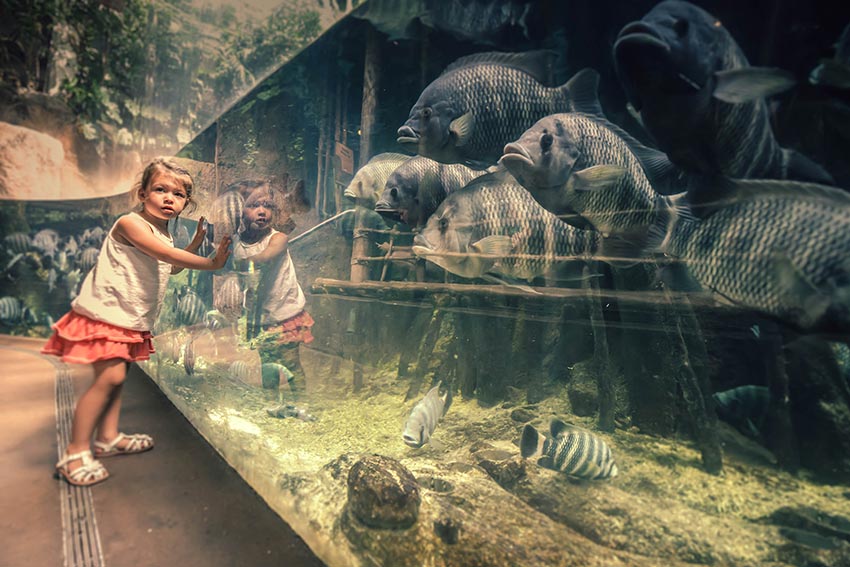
[[78, 339], [294, 330]]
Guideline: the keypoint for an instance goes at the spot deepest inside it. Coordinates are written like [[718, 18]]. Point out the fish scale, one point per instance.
[[497, 205], [627, 204], [571, 450], [502, 99], [734, 251]]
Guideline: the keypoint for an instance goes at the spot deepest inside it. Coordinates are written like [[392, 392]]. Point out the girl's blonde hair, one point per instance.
[[162, 164]]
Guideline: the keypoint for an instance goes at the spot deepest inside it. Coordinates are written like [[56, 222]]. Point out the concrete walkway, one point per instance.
[[179, 504]]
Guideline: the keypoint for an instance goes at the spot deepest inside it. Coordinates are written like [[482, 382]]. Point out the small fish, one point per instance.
[[214, 320], [246, 373], [229, 297], [290, 410], [700, 99], [73, 280], [88, 259], [456, 119], [189, 357], [46, 240], [226, 213], [744, 407], [416, 188], [369, 181], [11, 310], [17, 243], [570, 449], [190, 309], [425, 416]]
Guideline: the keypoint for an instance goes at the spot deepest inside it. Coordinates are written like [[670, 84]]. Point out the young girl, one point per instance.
[[110, 320], [281, 301]]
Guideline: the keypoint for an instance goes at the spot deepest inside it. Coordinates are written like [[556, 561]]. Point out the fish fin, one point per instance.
[[546, 463], [462, 127], [595, 178], [831, 73], [813, 303], [708, 194], [635, 114], [532, 442], [538, 63], [558, 428], [799, 167], [583, 92], [494, 245], [624, 250], [500, 281], [447, 401], [747, 84]]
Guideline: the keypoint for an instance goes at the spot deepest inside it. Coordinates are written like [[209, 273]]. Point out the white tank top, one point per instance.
[[283, 297], [126, 287]]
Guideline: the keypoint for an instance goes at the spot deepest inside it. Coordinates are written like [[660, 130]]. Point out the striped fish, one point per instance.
[[229, 298], [425, 416], [571, 450], [246, 373], [226, 213], [46, 240], [190, 309], [11, 310], [189, 356], [88, 258], [17, 243]]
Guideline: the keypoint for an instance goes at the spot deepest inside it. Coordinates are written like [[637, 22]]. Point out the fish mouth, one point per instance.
[[514, 154], [411, 441], [387, 211], [640, 34], [407, 136]]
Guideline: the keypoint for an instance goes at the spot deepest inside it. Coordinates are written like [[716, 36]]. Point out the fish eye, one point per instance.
[[443, 224], [680, 27], [546, 141], [718, 24], [426, 113], [394, 193]]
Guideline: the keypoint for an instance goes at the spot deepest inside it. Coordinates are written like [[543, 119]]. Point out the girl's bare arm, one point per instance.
[[139, 234]]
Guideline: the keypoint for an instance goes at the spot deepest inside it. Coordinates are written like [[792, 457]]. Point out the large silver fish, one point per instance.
[[414, 190], [425, 416], [554, 160], [699, 98], [778, 247], [229, 297], [494, 224], [569, 449], [369, 181], [483, 101]]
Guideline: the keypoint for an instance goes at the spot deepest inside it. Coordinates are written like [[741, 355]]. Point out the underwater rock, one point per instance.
[[382, 493], [809, 519], [522, 415], [447, 529], [584, 398], [503, 467]]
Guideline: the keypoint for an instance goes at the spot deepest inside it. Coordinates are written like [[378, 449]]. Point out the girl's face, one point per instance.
[[259, 213], [165, 196]]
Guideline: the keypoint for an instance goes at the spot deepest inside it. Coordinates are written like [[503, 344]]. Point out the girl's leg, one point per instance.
[[107, 426], [109, 375], [290, 356]]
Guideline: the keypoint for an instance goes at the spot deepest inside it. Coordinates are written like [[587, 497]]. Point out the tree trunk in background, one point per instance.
[[371, 84]]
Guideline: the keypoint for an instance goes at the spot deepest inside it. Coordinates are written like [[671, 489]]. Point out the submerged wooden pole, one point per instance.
[[601, 353]]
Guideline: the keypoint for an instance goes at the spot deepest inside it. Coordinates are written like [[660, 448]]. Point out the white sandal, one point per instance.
[[138, 443], [88, 473]]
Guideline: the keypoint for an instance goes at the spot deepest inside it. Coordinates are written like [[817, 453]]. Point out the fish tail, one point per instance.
[[532, 442], [582, 92]]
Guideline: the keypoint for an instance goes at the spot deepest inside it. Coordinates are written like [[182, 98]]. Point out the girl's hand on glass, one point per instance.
[[200, 234], [222, 252]]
